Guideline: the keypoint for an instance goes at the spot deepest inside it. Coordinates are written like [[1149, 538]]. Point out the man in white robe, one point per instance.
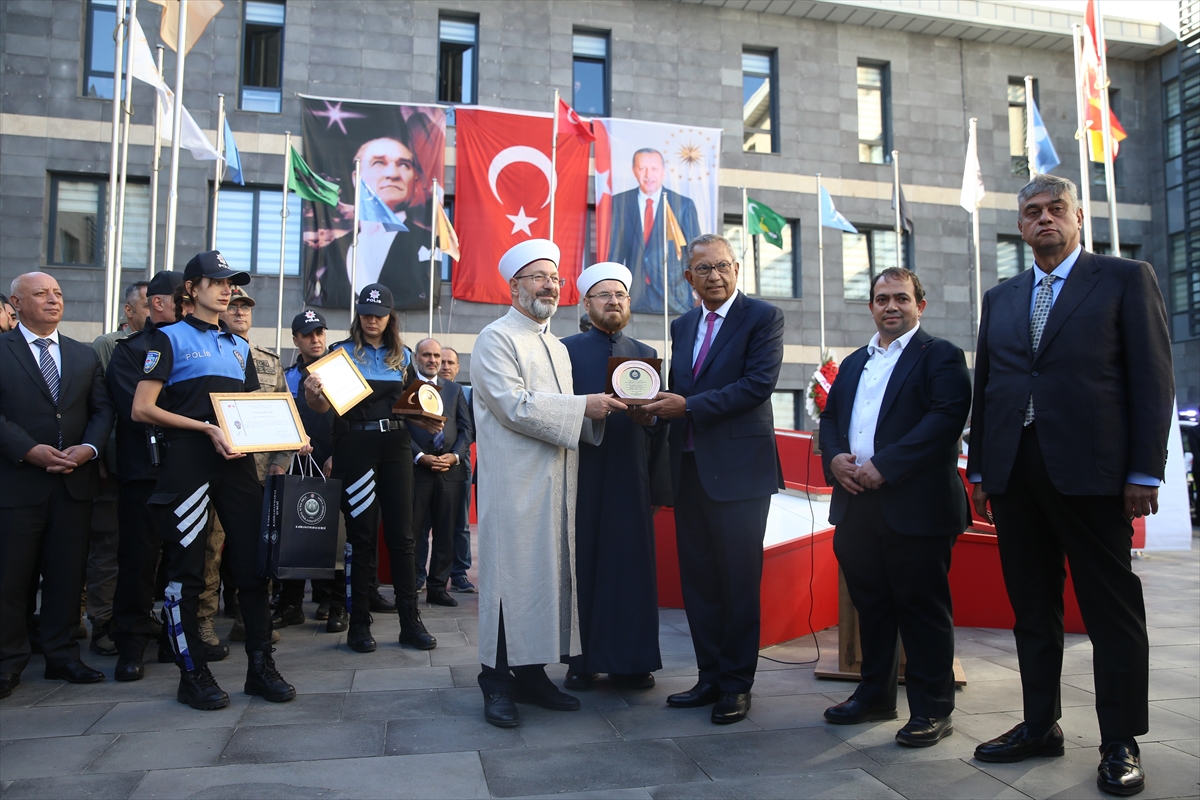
[[529, 427]]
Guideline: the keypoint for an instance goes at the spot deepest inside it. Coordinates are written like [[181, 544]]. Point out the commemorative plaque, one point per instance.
[[635, 381], [421, 399]]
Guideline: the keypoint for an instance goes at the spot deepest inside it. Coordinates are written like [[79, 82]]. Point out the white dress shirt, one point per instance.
[[872, 384], [434, 383], [721, 314], [55, 353]]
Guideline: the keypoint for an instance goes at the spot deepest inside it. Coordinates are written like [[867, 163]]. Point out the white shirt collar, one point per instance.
[[643, 197], [899, 343], [432, 380], [32, 337], [1062, 270], [723, 311]]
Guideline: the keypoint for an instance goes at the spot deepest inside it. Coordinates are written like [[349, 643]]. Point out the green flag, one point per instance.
[[309, 185], [762, 220]]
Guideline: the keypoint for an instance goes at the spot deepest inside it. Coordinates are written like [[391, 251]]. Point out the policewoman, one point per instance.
[[372, 457], [201, 474]]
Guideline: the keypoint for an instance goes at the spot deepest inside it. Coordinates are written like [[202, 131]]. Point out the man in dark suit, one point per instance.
[[725, 361], [1073, 397], [637, 236], [440, 471], [55, 416], [462, 525], [889, 444]]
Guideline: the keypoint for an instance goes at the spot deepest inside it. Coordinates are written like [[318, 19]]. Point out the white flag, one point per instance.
[[972, 184], [191, 138]]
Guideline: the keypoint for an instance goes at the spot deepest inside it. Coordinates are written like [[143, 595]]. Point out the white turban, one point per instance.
[[522, 255], [604, 271]]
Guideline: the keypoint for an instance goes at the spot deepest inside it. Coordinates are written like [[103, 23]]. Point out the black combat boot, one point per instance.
[[264, 680], [198, 689], [359, 639], [412, 630]]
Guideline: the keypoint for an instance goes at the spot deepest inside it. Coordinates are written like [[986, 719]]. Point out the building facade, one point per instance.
[[800, 88]]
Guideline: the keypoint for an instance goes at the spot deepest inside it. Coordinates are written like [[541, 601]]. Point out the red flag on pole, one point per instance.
[[1093, 46], [503, 197], [571, 123]]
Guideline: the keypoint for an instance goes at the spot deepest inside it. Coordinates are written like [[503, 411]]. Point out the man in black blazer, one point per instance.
[[725, 361], [55, 416], [1073, 398], [889, 444], [440, 471]]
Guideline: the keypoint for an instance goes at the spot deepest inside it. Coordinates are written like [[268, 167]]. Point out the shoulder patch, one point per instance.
[[240, 358], [152, 357]]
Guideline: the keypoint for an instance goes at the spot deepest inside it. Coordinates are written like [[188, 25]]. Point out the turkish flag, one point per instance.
[[502, 197], [570, 123], [603, 190]]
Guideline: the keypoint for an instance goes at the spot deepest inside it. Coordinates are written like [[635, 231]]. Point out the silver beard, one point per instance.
[[540, 308]]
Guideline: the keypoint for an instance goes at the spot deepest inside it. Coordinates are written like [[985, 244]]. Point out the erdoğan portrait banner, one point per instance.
[[503, 185]]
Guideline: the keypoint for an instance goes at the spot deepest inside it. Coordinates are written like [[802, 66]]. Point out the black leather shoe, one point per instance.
[[636, 682], [731, 707], [359, 639], [500, 710], [1018, 745], [440, 597], [287, 615], [263, 680], [322, 611], [379, 605], [854, 712], [702, 694], [548, 696], [75, 672], [199, 690], [1120, 771], [924, 731], [8, 682], [215, 652], [412, 630], [336, 620], [580, 681], [130, 668]]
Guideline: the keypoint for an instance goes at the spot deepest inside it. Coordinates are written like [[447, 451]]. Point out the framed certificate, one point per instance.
[[342, 384], [259, 422]]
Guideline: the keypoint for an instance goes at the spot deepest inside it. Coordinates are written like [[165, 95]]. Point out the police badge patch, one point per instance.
[[152, 357], [241, 361]]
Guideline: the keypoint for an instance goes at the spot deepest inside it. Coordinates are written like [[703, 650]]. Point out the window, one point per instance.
[[768, 270], [866, 254], [458, 56], [78, 222], [262, 57], [1016, 126], [1183, 290], [100, 49], [1105, 249], [248, 228], [760, 108], [784, 407], [1013, 257], [589, 86], [874, 119], [1172, 133]]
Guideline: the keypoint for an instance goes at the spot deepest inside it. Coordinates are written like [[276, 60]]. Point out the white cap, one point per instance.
[[604, 271], [522, 255]]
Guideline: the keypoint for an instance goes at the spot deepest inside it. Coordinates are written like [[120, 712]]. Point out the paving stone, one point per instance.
[[459, 656], [878, 741], [979, 670], [656, 696], [584, 767], [1189, 746], [647, 722], [1172, 636], [1006, 696], [94, 787], [149, 688], [448, 734], [44, 758], [599, 794], [755, 753], [48, 721], [789, 681], [542, 728], [168, 715], [304, 710], [146, 751], [794, 711], [272, 743], [461, 702], [387, 680], [414, 703], [948, 779], [850, 784], [320, 681], [31, 692]]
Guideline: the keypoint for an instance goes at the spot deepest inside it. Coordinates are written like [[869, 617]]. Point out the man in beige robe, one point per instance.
[[529, 427]]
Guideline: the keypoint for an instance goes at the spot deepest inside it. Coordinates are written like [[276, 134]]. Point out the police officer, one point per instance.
[[372, 456], [308, 335], [200, 473]]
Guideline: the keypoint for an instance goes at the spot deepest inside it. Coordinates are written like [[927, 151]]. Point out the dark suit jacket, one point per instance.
[[1102, 379], [403, 271], [28, 417], [924, 408], [627, 246], [459, 432], [729, 402]]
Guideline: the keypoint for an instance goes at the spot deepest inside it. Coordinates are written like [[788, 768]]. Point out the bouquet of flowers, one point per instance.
[[819, 386]]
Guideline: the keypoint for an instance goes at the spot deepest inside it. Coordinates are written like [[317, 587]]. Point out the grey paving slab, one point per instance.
[[1189, 746], [458, 775], [878, 741], [850, 784], [465, 675], [1165, 724], [948, 779], [542, 728], [304, 710], [388, 680], [149, 688], [30, 692], [656, 697], [646, 722], [795, 711], [794, 681], [979, 670], [94, 787], [1187, 706], [466, 702], [320, 681], [44, 758], [146, 751], [599, 794], [452, 639], [755, 753], [460, 656], [1006, 696], [48, 721], [168, 715], [268, 744], [412, 703], [1183, 656], [1171, 636], [585, 767], [447, 735]]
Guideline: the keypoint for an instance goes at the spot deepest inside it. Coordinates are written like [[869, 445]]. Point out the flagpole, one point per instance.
[[433, 248], [283, 213], [821, 262], [1110, 186], [111, 245], [154, 169], [1029, 132], [217, 169], [896, 197], [1085, 189], [354, 245], [745, 239], [127, 109], [553, 176], [666, 305], [975, 244], [176, 127]]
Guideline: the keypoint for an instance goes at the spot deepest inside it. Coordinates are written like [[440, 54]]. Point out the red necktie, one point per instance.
[[648, 221]]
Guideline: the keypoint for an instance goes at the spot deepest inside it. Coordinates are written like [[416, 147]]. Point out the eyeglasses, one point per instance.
[[240, 308], [540, 279], [620, 297], [722, 268]]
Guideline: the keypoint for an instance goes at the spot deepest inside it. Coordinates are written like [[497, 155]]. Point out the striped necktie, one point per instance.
[[50, 373], [1037, 324]]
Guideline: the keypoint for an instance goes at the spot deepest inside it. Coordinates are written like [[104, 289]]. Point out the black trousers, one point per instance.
[[291, 591], [56, 534], [1037, 526], [720, 568], [436, 501], [194, 482], [138, 551], [505, 679], [376, 472], [899, 584]]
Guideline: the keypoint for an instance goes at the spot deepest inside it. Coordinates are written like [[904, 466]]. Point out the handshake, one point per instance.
[[854, 478]]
